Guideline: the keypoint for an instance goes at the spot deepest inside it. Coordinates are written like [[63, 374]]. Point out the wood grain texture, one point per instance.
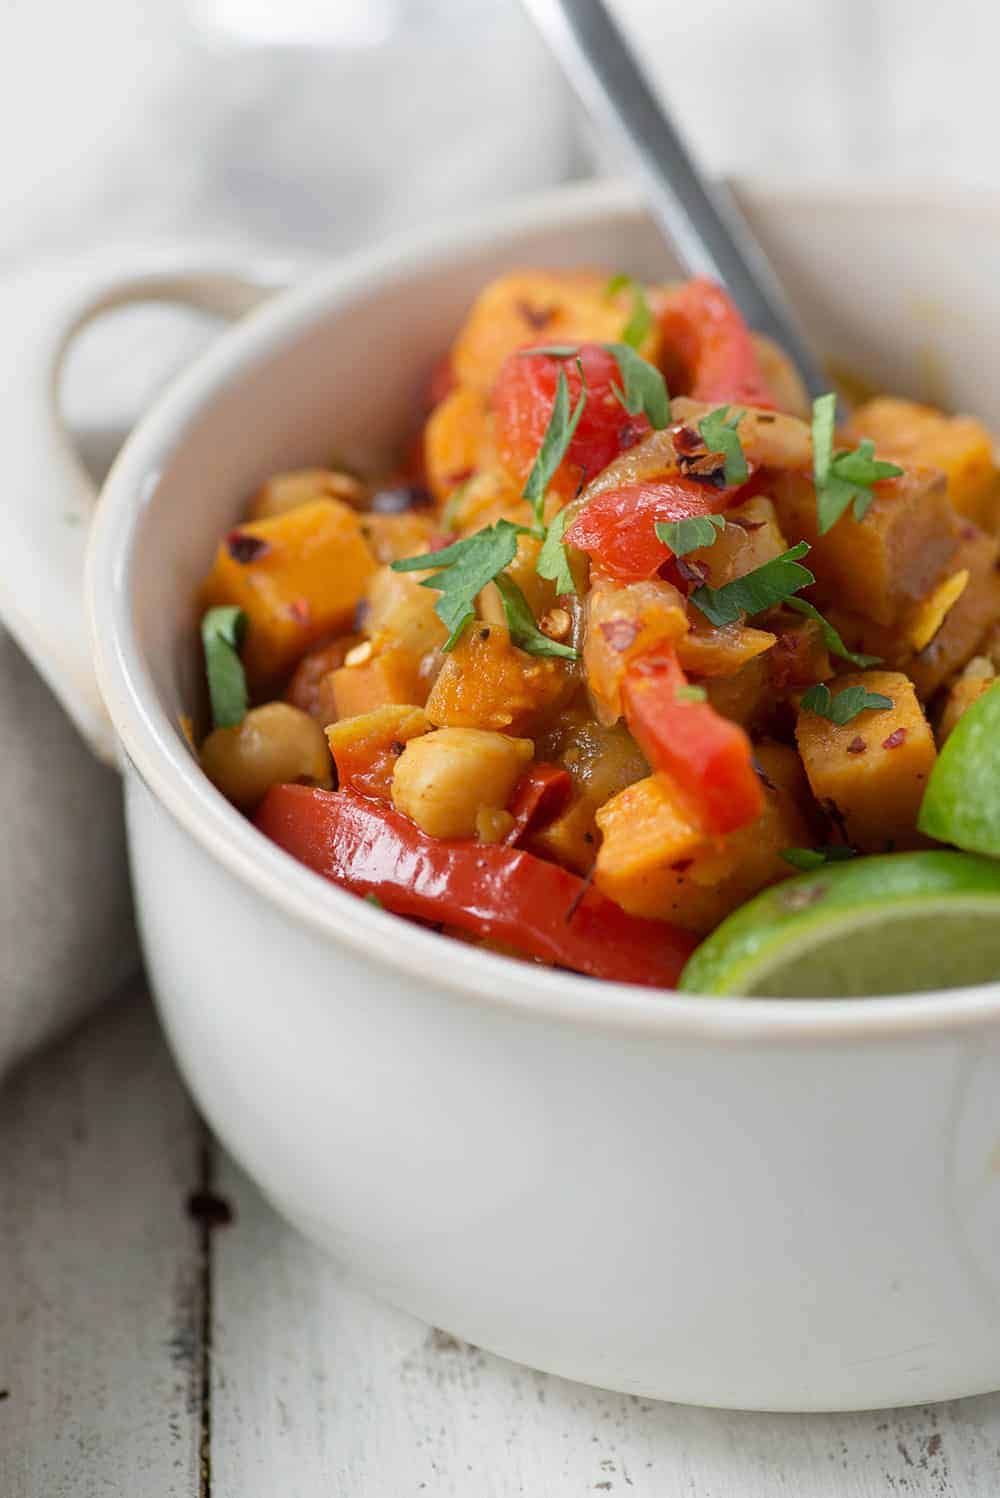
[[100, 1270], [320, 1392]]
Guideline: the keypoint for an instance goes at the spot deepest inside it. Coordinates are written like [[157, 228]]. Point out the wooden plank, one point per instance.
[[319, 1392], [101, 1272]]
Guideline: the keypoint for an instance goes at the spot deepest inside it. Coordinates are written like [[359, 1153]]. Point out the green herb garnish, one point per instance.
[[691, 693], [774, 582], [464, 570], [643, 388], [845, 706], [846, 477], [720, 436], [524, 632], [222, 633], [374, 900], [831, 639], [636, 330], [449, 513], [553, 562], [684, 536], [558, 436], [808, 859]]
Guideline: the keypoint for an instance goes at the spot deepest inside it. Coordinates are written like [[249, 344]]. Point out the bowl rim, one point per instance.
[[156, 751]]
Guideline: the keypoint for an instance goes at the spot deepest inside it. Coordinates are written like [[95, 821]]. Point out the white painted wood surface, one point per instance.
[[304, 1387]]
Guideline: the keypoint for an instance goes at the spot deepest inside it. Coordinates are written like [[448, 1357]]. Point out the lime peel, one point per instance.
[[889, 924], [962, 802]]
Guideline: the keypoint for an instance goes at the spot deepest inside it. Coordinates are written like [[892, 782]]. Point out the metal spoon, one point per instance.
[[700, 220]]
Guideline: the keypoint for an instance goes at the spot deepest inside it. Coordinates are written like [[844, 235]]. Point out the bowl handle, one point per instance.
[[48, 496]]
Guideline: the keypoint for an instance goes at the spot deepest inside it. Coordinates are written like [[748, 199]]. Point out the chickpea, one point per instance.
[[287, 491], [274, 743], [444, 780]]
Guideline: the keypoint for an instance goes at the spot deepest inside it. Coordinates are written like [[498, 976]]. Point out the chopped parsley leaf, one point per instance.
[[845, 706], [720, 436], [689, 692], [774, 582], [222, 633], [555, 443], [465, 568], [831, 638], [683, 536], [553, 563], [844, 478], [636, 330], [643, 388], [808, 859], [524, 632]]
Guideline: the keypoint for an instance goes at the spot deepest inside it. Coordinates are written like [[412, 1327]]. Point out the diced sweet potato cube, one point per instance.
[[799, 656], [970, 616], [977, 678], [457, 440], [872, 772], [888, 561], [298, 577], [304, 688], [486, 682], [743, 696], [708, 650], [397, 610], [656, 861], [538, 307], [923, 437], [365, 748], [384, 677]]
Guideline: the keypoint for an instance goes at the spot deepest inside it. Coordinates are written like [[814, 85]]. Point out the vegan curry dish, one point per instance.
[[633, 634]]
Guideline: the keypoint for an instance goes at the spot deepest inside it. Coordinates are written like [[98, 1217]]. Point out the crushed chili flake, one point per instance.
[[300, 610], [682, 865], [897, 737], [630, 434], [536, 317], [243, 547], [709, 468], [695, 574], [857, 745], [687, 442], [620, 633], [396, 747], [763, 416], [484, 634]]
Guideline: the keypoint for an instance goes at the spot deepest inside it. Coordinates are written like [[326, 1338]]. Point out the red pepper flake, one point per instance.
[[709, 468], [695, 574], [631, 433], [300, 611], [897, 737], [857, 745], [535, 317], [620, 633], [243, 547], [687, 442], [681, 866]]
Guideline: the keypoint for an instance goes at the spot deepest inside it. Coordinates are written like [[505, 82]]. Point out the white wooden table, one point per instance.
[[164, 1335]]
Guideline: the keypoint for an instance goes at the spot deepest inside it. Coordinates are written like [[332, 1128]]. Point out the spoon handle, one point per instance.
[[701, 221]]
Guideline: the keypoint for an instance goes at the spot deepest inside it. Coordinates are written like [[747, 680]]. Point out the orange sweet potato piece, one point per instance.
[[457, 440], [365, 748], [304, 688], [387, 676], [871, 772], [884, 564], [486, 682], [923, 437], [303, 486], [528, 307], [656, 861], [298, 576]]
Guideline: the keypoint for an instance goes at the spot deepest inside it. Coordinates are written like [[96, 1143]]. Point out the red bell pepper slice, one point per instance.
[[542, 792], [506, 894], [618, 527], [707, 755], [524, 396], [707, 338]]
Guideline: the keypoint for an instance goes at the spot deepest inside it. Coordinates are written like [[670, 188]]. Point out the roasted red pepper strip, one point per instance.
[[542, 792], [618, 528], [524, 902], [523, 399], [707, 755], [711, 345]]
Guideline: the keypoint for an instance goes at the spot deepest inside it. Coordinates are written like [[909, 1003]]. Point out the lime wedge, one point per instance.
[[962, 802], [896, 923]]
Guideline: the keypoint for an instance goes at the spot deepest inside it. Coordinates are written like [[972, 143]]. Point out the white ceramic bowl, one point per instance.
[[760, 1204]]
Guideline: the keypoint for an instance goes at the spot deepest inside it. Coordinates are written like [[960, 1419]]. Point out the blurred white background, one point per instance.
[[315, 124], [301, 128]]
